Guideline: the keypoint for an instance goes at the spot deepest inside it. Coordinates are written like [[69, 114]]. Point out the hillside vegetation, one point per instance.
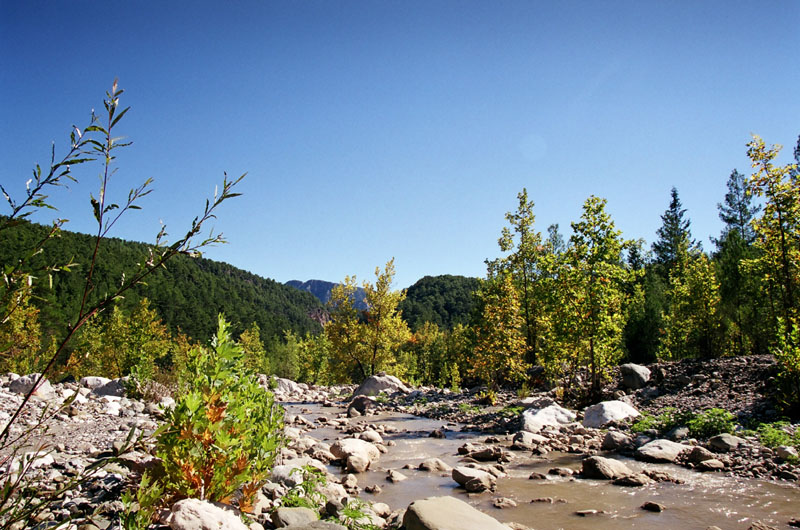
[[187, 295]]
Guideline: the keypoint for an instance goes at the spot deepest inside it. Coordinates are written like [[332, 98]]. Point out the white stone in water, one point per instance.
[[447, 513]]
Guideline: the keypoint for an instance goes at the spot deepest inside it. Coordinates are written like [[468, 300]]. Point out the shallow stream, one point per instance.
[[704, 500]]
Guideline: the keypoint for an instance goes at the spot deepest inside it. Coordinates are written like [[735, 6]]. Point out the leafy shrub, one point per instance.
[[665, 421], [710, 423], [306, 494], [776, 434], [468, 408], [225, 430]]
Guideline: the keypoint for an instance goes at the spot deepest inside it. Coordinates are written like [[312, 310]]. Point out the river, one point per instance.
[[705, 499]]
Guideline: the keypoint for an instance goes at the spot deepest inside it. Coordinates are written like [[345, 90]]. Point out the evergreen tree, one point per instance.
[[673, 234], [738, 210]]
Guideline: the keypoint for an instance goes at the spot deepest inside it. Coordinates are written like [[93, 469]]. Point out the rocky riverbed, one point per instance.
[[522, 463]]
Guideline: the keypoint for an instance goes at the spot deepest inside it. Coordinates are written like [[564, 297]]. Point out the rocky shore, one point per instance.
[[94, 432]]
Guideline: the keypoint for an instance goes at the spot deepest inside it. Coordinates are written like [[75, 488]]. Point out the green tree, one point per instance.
[[384, 330], [21, 339], [255, 356], [692, 326], [314, 352], [366, 344], [524, 248], [740, 302], [592, 288], [778, 243], [673, 235], [500, 347]]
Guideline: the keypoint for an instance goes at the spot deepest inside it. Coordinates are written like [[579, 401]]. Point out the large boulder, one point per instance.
[[603, 413], [447, 513], [603, 468], [473, 479], [24, 384], [361, 404], [534, 420], [356, 454], [634, 376], [381, 382], [194, 514], [113, 388], [287, 386], [660, 451]]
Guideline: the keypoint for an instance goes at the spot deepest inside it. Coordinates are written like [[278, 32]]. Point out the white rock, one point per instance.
[[24, 384], [604, 413], [533, 420], [194, 514]]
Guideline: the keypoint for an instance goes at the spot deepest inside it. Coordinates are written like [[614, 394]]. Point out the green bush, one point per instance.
[[773, 435], [665, 421], [225, 430], [710, 423]]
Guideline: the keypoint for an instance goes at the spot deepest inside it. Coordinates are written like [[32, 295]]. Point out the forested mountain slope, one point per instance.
[[188, 294], [444, 300]]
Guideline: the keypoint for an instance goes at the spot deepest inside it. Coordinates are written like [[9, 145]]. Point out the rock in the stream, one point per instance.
[[634, 376], [603, 413], [660, 451], [534, 420], [474, 480], [447, 513], [602, 468], [361, 405], [434, 464], [194, 514], [381, 382], [526, 441], [354, 451], [615, 440]]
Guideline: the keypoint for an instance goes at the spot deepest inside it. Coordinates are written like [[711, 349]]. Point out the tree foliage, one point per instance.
[[499, 354], [364, 343], [445, 300]]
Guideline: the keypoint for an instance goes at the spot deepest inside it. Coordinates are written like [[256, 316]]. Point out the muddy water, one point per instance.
[[705, 499]]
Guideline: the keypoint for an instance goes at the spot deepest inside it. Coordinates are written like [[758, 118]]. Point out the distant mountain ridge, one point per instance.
[[322, 290]]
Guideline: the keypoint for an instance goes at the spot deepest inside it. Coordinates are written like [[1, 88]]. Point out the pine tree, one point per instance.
[[673, 234], [738, 210]]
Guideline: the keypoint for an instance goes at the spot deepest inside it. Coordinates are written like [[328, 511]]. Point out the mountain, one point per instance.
[[444, 300], [188, 294], [322, 290]]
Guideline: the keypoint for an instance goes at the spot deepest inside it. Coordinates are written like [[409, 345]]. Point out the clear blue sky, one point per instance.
[[406, 128]]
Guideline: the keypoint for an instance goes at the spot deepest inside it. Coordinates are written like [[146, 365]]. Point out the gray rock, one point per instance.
[[362, 404], [660, 451], [786, 452], [634, 376], [283, 517], [93, 381], [474, 480], [525, 440], [636, 480], [605, 412], [533, 420], [194, 514], [711, 465], [602, 468], [724, 442], [24, 384], [434, 464], [447, 513], [699, 454], [114, 388], [348, 448], [653, 507], [615, 440], [381, 382], [316, 525]]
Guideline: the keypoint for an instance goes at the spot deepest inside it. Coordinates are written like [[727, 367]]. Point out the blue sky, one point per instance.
[[377, 129]]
